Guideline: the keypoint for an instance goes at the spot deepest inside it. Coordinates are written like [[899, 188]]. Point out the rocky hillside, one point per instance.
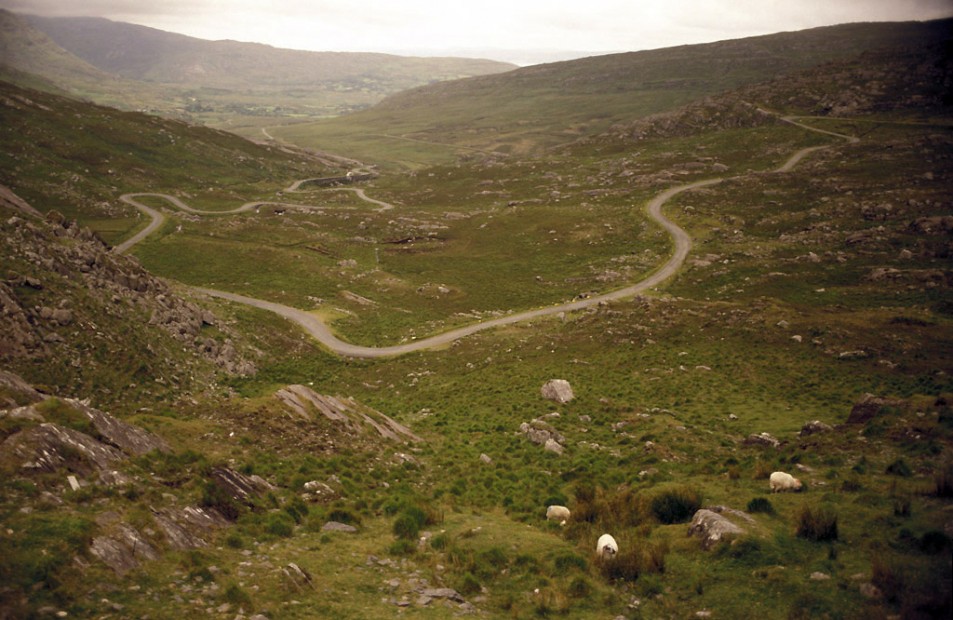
[[81, 319], [88, 494]]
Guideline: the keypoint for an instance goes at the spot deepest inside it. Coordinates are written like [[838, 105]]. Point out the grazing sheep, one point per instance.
[[607, 547], [558, 513], [781, 481]]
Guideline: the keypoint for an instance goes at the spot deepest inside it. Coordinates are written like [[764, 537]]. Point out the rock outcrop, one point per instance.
[[302, 402]]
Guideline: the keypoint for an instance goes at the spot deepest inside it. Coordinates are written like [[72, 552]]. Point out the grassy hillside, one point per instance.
[[77, 158], [214, 82], [543, 106], [821, 293]]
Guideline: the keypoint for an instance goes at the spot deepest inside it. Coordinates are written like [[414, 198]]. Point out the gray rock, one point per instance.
[[712, 528], [123, 549], [485, 458], [131, 439], [814, 427], [761, 439], [334, 526], [553, 446], [557, 390], [444, 593], [239, 486], [15, 391], [47, 447]]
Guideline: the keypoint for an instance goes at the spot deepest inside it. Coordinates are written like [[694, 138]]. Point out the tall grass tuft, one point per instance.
[[817, 523], [676, 505]]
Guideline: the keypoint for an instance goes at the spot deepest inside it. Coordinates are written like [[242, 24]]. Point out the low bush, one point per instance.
[[279, 524], [817, 523], [406, 527], [402, 546], [632, 561], [676, 505], [568, 561], [761, 504], [899, 468]]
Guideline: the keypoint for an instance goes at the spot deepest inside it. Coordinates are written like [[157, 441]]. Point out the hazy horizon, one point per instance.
[[521, 32]]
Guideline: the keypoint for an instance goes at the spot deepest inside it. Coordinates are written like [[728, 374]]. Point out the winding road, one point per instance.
[[322, 333]]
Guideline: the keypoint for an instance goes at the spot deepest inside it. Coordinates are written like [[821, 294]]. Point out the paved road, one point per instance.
[[317, 329]]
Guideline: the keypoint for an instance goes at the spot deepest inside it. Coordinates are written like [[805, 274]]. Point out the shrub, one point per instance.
[[887, 578], [279, 524], [934, 542], [579, 587], [817, 523], [342, 515], [402, 546], [217, 498], [943, 482], [762, 470], [899, 468], [901, 506], [676, 505], [440, 541], [234, 541], [564, 563], [761, 504], [406, 527], [468, 584], [238, 597], [297, 509], [632, 561]]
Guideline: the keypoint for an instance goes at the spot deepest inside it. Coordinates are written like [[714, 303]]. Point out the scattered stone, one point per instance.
[[819, 576], [871, 591], [298, 577], [485, 458], [316, 491], [762, 439], [814, 427], [557, 390], [334, 526], [553, 446]]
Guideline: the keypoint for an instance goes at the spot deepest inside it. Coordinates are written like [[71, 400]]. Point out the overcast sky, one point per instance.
[[514, 30]]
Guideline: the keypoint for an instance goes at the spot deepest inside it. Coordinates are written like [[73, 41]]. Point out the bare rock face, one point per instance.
[[557, 390], [184, 528], [713, 527], [15, 391], [303, 403], [48, 447], [238, 486], [123, 549], [131, 439]]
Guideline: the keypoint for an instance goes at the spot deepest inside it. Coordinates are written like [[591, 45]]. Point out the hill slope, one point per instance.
[[214, 80], [541, 106]]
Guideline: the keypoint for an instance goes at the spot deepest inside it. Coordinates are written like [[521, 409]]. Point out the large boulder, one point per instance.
[[48, 447], [131, 439], [558, 390], [713, 527]]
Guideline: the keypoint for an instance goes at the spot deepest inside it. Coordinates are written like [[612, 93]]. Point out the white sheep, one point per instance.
[[558, 513], [607, 547], [781, 481]]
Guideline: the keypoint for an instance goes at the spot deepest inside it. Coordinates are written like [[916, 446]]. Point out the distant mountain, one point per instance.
[[141, 53], [550, 104], [136, 67]]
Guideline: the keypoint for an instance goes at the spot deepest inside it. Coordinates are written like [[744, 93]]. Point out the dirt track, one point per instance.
[[317, 329]]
